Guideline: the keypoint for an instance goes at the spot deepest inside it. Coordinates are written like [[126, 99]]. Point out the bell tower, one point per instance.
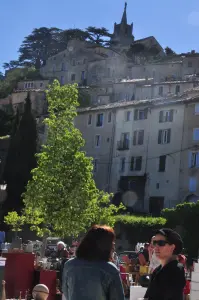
[[123, 32]]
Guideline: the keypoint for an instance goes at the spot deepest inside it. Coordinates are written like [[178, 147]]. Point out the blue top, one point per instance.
[[87, 280]]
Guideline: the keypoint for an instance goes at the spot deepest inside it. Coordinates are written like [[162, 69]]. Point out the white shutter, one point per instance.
[[197, 160], [192, 184], [196, 134], [190, 159]]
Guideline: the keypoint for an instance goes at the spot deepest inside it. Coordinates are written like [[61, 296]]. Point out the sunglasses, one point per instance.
[[160, 243]]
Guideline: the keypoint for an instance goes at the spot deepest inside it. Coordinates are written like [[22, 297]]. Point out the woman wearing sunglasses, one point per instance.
[[168, 280]]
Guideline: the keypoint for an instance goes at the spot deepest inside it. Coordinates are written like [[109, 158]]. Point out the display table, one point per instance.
[[137, 292], [19, 273], [49, 278]]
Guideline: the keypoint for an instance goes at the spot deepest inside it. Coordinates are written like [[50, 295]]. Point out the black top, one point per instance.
[[167, 283]]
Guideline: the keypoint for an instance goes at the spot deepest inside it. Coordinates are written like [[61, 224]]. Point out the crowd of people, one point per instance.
[[94, 272]]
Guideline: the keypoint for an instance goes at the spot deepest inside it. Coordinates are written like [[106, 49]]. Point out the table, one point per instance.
[[137, 292]]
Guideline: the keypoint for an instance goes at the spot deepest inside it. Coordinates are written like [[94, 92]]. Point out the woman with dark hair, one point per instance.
[[168, 280], [91, 275]]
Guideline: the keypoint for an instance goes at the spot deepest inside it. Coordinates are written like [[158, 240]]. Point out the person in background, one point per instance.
[[91, 275], [187, 289], [143, 256], [62, 251], [154, 262], [168, 280], [40, 291]]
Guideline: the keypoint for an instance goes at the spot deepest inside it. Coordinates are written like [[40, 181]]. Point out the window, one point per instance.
[[160, 90], [54, 68], [136, 163], [164, 136], [73, 62], [162, 163], [83, 75], [122, 164], [95, 165], [189, 64], [62, 80], [197, 109], [72, 77], [109, 117], [192, 184], [108, 72], [166, 116], [193, 159], [41, 84], [138, 137], [177, 89], [97, 140], [84, 61], [89, 119], [63, 67], [99, 122], [140, 114], [25, 86], [125, 138], [196, 134], [128, 116]]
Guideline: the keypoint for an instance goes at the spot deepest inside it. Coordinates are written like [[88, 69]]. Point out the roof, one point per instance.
[[148, 102]]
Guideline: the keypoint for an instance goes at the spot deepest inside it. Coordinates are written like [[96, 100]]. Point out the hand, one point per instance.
[[3, 283]]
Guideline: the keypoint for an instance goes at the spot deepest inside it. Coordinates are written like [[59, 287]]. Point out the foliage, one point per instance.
[[13, 76], [84, 98], [15, 221], [21, 157], [169, 51], [98, 36], [186, 215], [38, 46], [137, 229], [11, 65], [5, 123], [135, 221], [62, 197]]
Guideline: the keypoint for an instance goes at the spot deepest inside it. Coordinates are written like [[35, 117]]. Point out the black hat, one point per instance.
[[172, 237]]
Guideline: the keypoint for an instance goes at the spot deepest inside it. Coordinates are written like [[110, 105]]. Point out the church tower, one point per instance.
[[123, 32]]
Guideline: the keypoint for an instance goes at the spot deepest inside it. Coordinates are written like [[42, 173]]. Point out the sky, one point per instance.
[[172, 22]]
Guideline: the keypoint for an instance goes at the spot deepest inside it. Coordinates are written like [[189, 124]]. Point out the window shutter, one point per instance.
[[197, 159], [140, 137], [190, 158], [159, 136], [171, 115], [162, 163], [132, 163], [161, 116], [169, 136], [134, 137], [136, 114], [138, 165], [145, 113]]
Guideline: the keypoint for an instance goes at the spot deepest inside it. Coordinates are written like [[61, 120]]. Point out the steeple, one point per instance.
[[124, 17], [123, 32]]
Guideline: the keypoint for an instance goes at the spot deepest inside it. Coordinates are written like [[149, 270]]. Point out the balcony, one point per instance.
[[123, 145]]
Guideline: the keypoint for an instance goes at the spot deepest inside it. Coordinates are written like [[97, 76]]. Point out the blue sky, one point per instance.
[[172, 23]]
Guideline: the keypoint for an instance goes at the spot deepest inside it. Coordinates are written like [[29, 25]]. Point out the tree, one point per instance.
[[67, 35], [39, 45], [169, 51], [62, 197], [21, 157], [11, 65], [99, 36], [5, 123], [15, 221]]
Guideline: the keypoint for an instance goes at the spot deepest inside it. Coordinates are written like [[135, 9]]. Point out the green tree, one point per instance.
[[5, 123], [62, 196], [99, 36], [38, 46], [169, 51], [15, 221], [11, 65], [21, 157]]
